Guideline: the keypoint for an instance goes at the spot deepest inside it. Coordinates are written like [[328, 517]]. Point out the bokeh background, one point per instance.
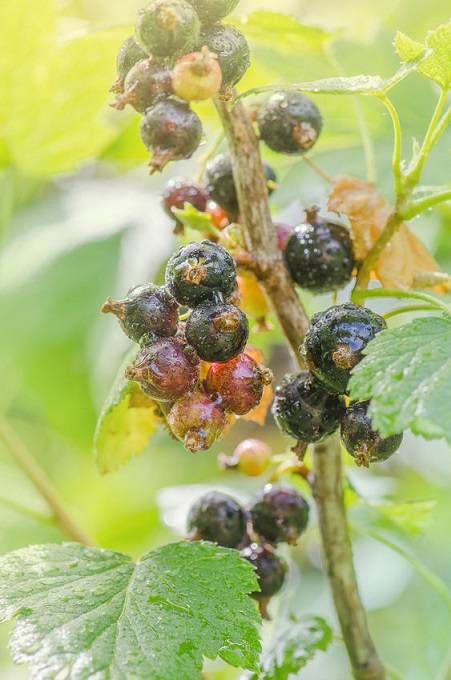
[[80, 219]]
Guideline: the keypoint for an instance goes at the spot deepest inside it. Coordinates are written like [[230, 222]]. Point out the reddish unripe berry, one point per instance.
[[197, 421], [181, 190], [145, 83], [219, 217], [253, 457], [197, 76]]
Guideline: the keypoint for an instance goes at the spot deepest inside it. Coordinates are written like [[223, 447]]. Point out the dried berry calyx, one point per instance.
[[289, 122], [219, 518], [197, 76], [144, 84], [211, 11], [279, 514], [146, 309], [335, 341], [129, 54], [171, 131], [200, 272], [319, 255], [167, 28], [217, 331], [305, 409], [271, 570], [361, 440], [231, 49], [197, 421]]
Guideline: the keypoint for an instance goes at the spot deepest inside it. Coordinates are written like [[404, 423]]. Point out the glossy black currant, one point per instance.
[[361, 440], [279, 514], [217, 331], [289, 122], [219, 518], [232, 50], [271, 569]]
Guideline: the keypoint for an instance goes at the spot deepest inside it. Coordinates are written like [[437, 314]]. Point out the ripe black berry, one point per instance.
[[211, 11], [201, 272], [197, 421], [221, 185], [232, 50], [289, 122], [197, 76], [305, 409], [218, 332], [270, 568], [361, 440], [219, 518], [146, 309], [165, 369], [319, 255], [172, 131], [335, 341], [181, 190], [129, 54], [279, 514], [144, 84], [167, 28]]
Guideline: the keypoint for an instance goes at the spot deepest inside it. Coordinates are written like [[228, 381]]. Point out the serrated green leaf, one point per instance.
[[437, 65], [407, 376], [412, 516], [84, 612], [128, 419], [190, 217]]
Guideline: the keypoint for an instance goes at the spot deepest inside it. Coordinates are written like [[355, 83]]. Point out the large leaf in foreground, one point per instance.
[[407, 375], [90, 613]]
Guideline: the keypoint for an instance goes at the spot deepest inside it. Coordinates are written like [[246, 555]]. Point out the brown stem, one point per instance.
[[261, 240]]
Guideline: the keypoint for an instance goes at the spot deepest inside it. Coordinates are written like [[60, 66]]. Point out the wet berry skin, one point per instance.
[[361, 440], [319, 256], [289, 122], [144, 84], [218, 332], [129, 54], [279, 514], [181, 190], [270, 568], [232, 50], [167, 28], [166, 369], [146, 309], [238, 382], [200, 272], [335, 341], [197, 421], [211, 11], [305, 409], [219, 518]]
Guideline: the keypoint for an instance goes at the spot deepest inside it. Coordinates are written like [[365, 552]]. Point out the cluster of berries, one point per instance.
[[277, 514], [311, 405], [201, 277], [180, 52]]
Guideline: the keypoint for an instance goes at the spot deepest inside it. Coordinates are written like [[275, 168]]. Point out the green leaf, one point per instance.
[[84, 612], [128, 420], [437, 65], [190, 217], [412, 516], [287, 34], [407, 376]]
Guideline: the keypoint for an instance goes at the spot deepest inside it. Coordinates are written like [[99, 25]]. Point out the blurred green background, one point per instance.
[[80, 219]]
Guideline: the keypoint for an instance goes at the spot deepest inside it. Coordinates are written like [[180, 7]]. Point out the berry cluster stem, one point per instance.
[[261, 240]]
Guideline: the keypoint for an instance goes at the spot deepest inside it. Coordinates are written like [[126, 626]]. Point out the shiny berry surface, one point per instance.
[[181, 190], [361, 440], [289, 122], [144, 84], [167, 28], [211, 11], [218, 332], [219, 518], [232, 50], [279, 514], [128, 55], [239, 383], [270, 568], [197, 421]]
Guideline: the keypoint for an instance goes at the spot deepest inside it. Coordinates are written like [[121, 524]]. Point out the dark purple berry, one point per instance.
[[146, 309], [144, 84], [211, 11], [305, 409], [270, 568], [361, 440], [335, 341], [181, 190], [218, 332], [129, 54], [167, 28], [219, 518], [166, 369], [279, 514], [232, 50], [200, 272], [289, 122], [197, 421]]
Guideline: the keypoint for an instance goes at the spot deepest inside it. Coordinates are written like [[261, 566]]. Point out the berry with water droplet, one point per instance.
[[289, 122], [361, 440], [197, 76], [219, 518], [144, 84], [129, 54], [217, 331], [279, 514], [197, 421], [167, 28], [231, 49], [270, 568]]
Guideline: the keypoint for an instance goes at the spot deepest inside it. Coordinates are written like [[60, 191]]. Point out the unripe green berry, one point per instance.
[[167, 28], [231, 49], [211, 11]]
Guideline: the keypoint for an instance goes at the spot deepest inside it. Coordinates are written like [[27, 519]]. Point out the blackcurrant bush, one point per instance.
[[129, 54], [172, 131], [289, 122], [181, 190], [197, 76], [219, 518], [197, 421], [361, 440], [166, 369], [144, 84], [200, 272], [211, 11], [146, 309], [305, 409], [238, 382], [279, 514], [217, 331], [319, 255], [232, 50], [335, 341], [167, 28], [221, 185], [270, 568]]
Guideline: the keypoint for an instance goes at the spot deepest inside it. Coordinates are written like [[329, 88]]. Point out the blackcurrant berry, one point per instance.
[[172, 131], [197, 421], [211, 11], [361, 440], [146, 309], [232, 50], [167, 28], [279, 514], [129, 54], [165, 369], [289, 122], [319, 255], [201, 272], [217, 331], [144, 84], [219, 518], [305, 409], [197, 76], [221, 185], [239, 383], [335, 341], [181, 190], [270, 568]]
